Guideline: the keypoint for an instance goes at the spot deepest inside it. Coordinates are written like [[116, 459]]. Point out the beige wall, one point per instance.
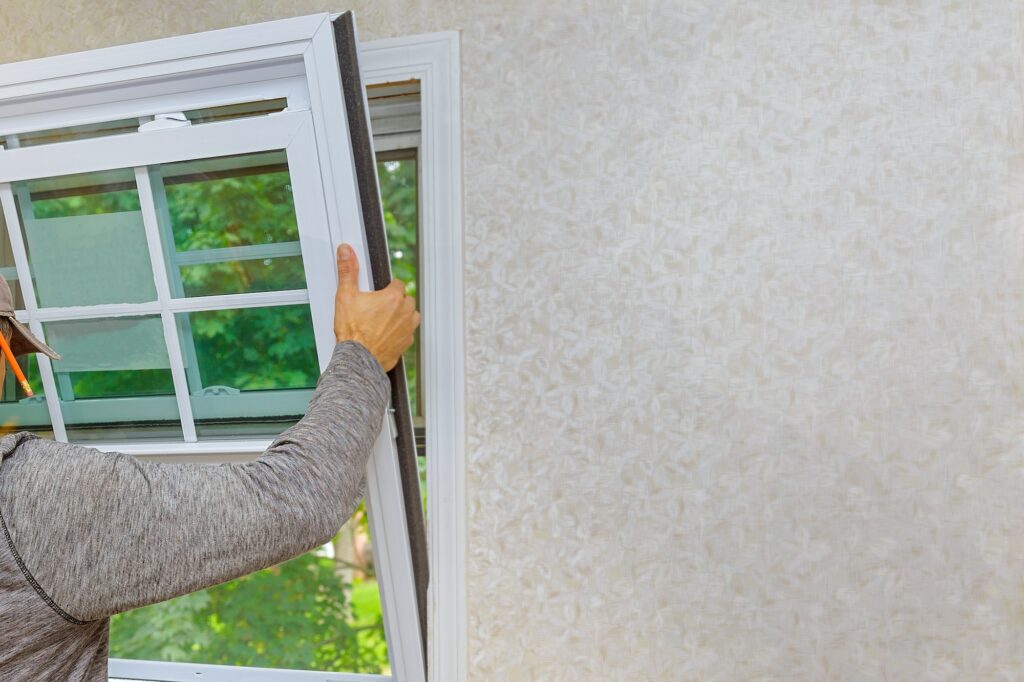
[[745, 335]]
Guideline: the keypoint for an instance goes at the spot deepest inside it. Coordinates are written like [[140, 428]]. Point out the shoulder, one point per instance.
[[15, 442], [24, 447], [18, 451], [40, 472]]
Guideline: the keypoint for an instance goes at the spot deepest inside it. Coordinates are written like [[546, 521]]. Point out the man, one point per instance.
[[85, 534]]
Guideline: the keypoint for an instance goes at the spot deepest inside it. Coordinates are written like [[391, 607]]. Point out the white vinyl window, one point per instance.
[[172, 210], [175, 289]]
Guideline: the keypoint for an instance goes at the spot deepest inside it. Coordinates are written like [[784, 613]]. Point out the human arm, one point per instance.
[[106, 532]]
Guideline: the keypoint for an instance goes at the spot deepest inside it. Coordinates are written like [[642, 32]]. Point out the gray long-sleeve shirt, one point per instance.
[[87, 534]]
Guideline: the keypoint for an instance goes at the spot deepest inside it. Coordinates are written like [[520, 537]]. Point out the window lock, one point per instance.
[[176, 119]]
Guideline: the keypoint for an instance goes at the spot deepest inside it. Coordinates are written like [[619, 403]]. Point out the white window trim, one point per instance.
[[158, 671], [434, 60]]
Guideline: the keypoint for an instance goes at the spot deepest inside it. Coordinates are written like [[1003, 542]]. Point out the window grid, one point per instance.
[[169, 251], [163, 295], [28, 293], [166, 306]]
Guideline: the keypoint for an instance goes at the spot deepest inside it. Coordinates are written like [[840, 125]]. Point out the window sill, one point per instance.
[[198, 450], [123, 670]]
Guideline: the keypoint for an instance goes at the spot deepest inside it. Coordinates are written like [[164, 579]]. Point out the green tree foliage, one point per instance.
[[295, 615], [398, 188], [245, 210]]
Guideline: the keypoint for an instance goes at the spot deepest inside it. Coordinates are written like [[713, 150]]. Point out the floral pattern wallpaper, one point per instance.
[[744, 327]]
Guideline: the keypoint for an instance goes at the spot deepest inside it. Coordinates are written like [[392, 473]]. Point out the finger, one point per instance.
[[397, 285], [348, 269]]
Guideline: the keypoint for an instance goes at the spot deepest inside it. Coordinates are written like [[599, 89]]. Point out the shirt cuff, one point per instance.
[[353, 358]]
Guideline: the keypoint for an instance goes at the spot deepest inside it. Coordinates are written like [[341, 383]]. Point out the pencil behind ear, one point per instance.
[[25, 386]]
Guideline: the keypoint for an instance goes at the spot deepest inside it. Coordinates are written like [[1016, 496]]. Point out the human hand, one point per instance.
[[383, 321]]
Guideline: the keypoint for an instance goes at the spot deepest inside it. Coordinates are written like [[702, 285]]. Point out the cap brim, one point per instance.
[[22, 341]]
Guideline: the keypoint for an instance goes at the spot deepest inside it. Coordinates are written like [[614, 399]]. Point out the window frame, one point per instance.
[[232, 64], [434, 59], [143, 151]]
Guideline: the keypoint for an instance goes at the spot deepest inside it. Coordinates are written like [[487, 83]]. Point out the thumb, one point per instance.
[[348, 269]]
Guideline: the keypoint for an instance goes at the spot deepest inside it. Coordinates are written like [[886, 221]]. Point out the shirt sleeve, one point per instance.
[[103, 533]]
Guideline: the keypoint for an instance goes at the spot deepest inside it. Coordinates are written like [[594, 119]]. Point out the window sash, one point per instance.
[[275, 81], [150, 148], [150, 407], [144, 150]]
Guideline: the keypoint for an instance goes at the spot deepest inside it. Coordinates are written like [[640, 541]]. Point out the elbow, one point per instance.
[[323, 520], [325, 527]]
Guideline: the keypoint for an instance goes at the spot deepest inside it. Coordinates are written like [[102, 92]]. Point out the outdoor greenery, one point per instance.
[[299, 614], [399, 192]]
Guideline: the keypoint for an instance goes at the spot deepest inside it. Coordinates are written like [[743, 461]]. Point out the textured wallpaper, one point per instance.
[[745, 328]]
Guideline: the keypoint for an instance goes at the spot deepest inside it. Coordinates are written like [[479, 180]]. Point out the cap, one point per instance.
[[22, 340]]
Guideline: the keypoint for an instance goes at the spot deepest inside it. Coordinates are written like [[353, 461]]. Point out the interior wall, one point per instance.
[[745, 327]]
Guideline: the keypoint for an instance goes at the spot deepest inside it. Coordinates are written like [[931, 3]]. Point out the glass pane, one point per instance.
[[243, 276], [229, 225], [21, 413], [86, 240], [17, 411], [320, 611], [7, 269], [232, 111], [114, 380], [82, 132], [251, 372], [399, 196], [131, 125], [399, 191]]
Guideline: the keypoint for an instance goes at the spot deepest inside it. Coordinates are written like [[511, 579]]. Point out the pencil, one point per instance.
[[18, 374]]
